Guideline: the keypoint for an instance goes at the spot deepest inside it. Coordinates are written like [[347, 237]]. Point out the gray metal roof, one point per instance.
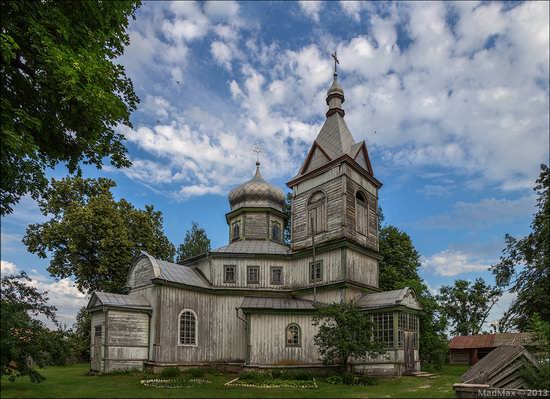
[[120, 300], [335, 137], [181, 274], [254, 247], [386, 299], [257, 192], [250, 302]]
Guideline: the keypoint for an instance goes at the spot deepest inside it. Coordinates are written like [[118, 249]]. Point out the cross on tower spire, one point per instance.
[[336, 61]]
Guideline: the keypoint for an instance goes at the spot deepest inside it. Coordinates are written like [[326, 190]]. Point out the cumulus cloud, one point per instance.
[[452, 262], [311, 8], [222, 53], [8, 267]]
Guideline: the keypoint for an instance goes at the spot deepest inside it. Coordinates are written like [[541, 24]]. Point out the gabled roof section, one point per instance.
[[100, 299], [403, 297], [253, 247]]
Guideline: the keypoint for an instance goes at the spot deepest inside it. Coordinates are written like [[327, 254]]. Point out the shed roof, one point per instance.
[[387, 299], [250, 302], [175, 272], [499, 368], [118, 300], [490, 340], [255, 247]]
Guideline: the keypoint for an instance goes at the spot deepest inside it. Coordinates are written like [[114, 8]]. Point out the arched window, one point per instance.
[[236, 230], [293, 334], [317, 213], [361, 213], [188, 328], [275, 231]]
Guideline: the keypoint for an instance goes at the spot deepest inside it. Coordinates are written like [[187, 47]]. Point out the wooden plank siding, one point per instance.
[[127, 339], [267, 340]]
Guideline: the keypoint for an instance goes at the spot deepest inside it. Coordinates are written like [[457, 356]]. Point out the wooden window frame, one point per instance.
[[274, 224], [312, 277], [383, 329], [237, 224], [272, 268], [299, 332], [364, 206], [196, 333], [319, 207], [248, 280], [225, 269], [98, 327]]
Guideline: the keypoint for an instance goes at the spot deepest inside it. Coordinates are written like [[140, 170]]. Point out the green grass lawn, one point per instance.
[[73, 382]]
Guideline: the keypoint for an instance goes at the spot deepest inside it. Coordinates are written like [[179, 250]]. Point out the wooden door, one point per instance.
[[96, 361], [409, 351]]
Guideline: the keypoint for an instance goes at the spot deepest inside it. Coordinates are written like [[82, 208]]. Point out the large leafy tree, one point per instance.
[[93, 237], [23, 336], [62, 93], [524, 266], [345, 331], [79, 336], [196, 242], [287, 209], [467, 305], [399, 269]]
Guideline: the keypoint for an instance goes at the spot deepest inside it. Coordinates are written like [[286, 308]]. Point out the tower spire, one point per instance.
[[335, 94], [257, 150]]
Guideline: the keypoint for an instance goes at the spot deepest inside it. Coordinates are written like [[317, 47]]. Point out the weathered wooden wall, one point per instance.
[[141, 274], [98, 319], [267, 340], [221, 335], [361, 268]]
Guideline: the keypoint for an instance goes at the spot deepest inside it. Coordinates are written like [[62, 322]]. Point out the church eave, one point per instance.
[[238, 211], [343, 158]]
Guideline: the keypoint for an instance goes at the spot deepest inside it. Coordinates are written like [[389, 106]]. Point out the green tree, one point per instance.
[[22, 336], [62, 92], [93, 237], [287, 209], [345, 331], [399, 269], [79, 336], [539, 377], [196, 242], [467, 305], [524, 266]]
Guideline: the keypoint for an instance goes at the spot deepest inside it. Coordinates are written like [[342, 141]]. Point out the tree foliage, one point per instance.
[[287, 209], [196, 242], [525, 263], [93, 237], [24, 339], [539, 377], [62, 93], [345, 331], [467, 305], [399, 269], [80, 335]]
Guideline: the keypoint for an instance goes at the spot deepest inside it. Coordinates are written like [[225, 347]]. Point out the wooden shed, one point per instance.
[[470, 349], [120, 331]]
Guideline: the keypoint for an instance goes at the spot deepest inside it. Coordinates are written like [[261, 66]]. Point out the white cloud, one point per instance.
[[8, 267], [311, 8], [452, 263], [156, 105], [222, 9], [222, 54], [352, 8], [484, 213], [496, 313]]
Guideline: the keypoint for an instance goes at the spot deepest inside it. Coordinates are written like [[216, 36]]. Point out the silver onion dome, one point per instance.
[[257, 193]]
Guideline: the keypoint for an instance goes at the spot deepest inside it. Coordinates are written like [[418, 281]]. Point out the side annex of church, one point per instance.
[[251, 303]]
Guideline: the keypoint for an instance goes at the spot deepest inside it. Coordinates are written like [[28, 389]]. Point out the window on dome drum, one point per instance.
[[361, 213], [383, 329], [276, 275], [229, 273], [236, 231], [97, 331], [317, 213], [316, 271], [188, 328], [253, 275], [275, 231], [293, 335]]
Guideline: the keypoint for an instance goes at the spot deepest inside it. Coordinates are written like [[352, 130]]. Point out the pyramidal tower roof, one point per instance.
[[335, 139]]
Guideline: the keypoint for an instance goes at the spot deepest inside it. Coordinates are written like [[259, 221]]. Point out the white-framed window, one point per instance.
[[187, 328], [252, 274], [97, 330], [293, 335], [316, 271], [361, 213], [276, 275], [317, 213], [383, 329], [229, 273]]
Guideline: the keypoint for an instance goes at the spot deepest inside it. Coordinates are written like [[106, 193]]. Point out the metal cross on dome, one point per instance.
[[335, 56], [258, 150]]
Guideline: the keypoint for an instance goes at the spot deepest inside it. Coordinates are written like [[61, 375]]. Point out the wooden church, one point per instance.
[[250, 303]]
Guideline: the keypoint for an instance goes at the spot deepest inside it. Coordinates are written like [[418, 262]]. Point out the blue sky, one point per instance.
[[451, 98]]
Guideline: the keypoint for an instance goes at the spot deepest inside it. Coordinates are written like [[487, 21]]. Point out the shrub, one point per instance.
[[170, 372], [300, 376], [335, 380], [350, 379], [253, 376], [196, 372], [278, 374]]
